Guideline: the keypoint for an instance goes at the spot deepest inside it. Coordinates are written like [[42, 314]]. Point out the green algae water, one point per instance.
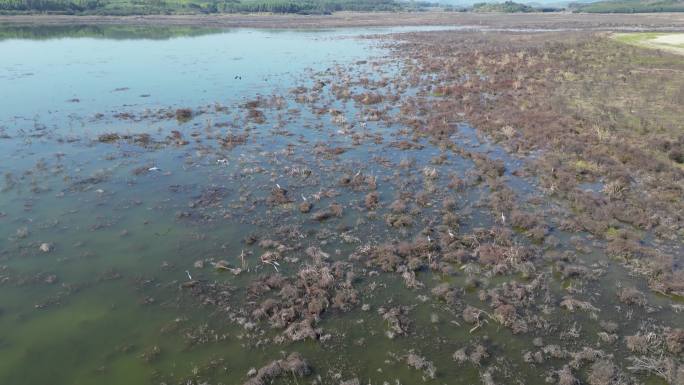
[[173, 199]]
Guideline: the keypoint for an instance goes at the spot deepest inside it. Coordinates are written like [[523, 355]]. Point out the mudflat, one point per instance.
[[656, 21]]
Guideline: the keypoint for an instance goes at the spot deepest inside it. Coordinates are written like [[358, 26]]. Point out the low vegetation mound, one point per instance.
[[505, 7]]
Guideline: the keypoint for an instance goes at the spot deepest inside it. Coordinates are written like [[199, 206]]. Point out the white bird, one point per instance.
[[189, 276], [222, 161], [428, 238], [503, 218], [155, 168], [303, 197], [277, 185], [450, 233]]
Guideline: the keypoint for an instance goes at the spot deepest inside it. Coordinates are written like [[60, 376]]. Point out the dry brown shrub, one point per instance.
[[602, 372], [631, 296], [674, 339], [638, 343]]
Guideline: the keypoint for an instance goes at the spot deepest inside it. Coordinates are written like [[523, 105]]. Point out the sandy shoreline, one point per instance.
[[657, 21], [672, 43]]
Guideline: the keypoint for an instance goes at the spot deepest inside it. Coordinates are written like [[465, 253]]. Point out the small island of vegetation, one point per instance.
[[505, 7]]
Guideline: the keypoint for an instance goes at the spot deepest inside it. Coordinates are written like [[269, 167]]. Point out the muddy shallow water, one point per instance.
[[172, 203]]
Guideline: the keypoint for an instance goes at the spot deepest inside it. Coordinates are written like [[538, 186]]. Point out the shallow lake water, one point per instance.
[[121, 212]]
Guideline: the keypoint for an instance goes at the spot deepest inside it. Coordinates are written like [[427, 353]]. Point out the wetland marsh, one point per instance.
[[396, 205]]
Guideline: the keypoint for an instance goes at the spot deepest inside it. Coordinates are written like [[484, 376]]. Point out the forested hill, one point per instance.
[[131, 7]]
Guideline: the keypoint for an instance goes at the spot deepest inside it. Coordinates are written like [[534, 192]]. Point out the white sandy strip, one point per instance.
[[676, 39]]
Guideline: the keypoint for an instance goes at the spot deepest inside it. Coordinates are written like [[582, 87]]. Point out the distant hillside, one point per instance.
[[630, 6], [132, 7]]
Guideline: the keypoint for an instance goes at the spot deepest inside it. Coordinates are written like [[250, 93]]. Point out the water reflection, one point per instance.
[[114, 32]]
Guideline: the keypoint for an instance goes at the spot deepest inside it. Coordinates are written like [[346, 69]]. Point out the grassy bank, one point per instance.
[[672, 42]]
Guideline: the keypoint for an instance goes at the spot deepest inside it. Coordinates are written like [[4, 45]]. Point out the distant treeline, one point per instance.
[[130, 7], [629, 6], [308, 6], [142, 7]]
